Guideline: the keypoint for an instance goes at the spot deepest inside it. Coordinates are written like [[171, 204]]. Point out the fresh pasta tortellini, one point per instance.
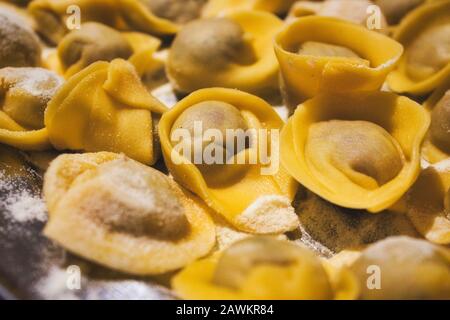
[[437, 145], [252, 195], [218, 7], [428, 203], [359, 150], [105, 107], [124, 215], [24, 95], [408, 269], [354, 11], [264, 268], [92, 42], [323, 54], [425, 34], [53, 20], [178, 11], [97, 42], [232, 51], [19, 45]]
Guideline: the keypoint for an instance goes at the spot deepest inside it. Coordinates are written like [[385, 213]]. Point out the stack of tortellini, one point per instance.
[[363, 177]]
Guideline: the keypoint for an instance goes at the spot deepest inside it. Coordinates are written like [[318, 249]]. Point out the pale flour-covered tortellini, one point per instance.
[[425, 34], [124, 215], [437, 145], [252, 195], [231, 51], [19, 45], [323, 54], [24, 95], [105, 107], [407, 269], [358, 150], [218, 7], [97, 42], [428, 203], [360, 12], [264, 268]]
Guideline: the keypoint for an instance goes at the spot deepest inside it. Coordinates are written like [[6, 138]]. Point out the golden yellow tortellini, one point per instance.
[[54, 18], [264, 268], [218, 7], [359, 12], [105, 107], [428, 203], [19, 45], [323, 54], [437, 145], [403, 268], [98, 42], [426, 63], [124, 215], [24, 95], [356, 150], [232, 51], [222, 144]]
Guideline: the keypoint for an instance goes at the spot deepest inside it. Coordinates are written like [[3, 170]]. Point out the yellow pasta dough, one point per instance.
[[359, 150], [105, 107], [428, 203], [124, 215], [264, 268], [253, 196], [24, 95], [425, 34], [304, 75], [231, 51]]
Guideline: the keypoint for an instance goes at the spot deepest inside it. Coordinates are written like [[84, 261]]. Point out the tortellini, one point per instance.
[[124, 215], [252, 195], [359, 150], [425, 34], [92, 42], [105, 107], [19, 45], [264, 268], [97, 42], [437, 145], [218, 7], [342, 57], [54, 17], [428, 203], [232, 51], [407, 268], [24, 95], [354, 11], [178, 11]]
